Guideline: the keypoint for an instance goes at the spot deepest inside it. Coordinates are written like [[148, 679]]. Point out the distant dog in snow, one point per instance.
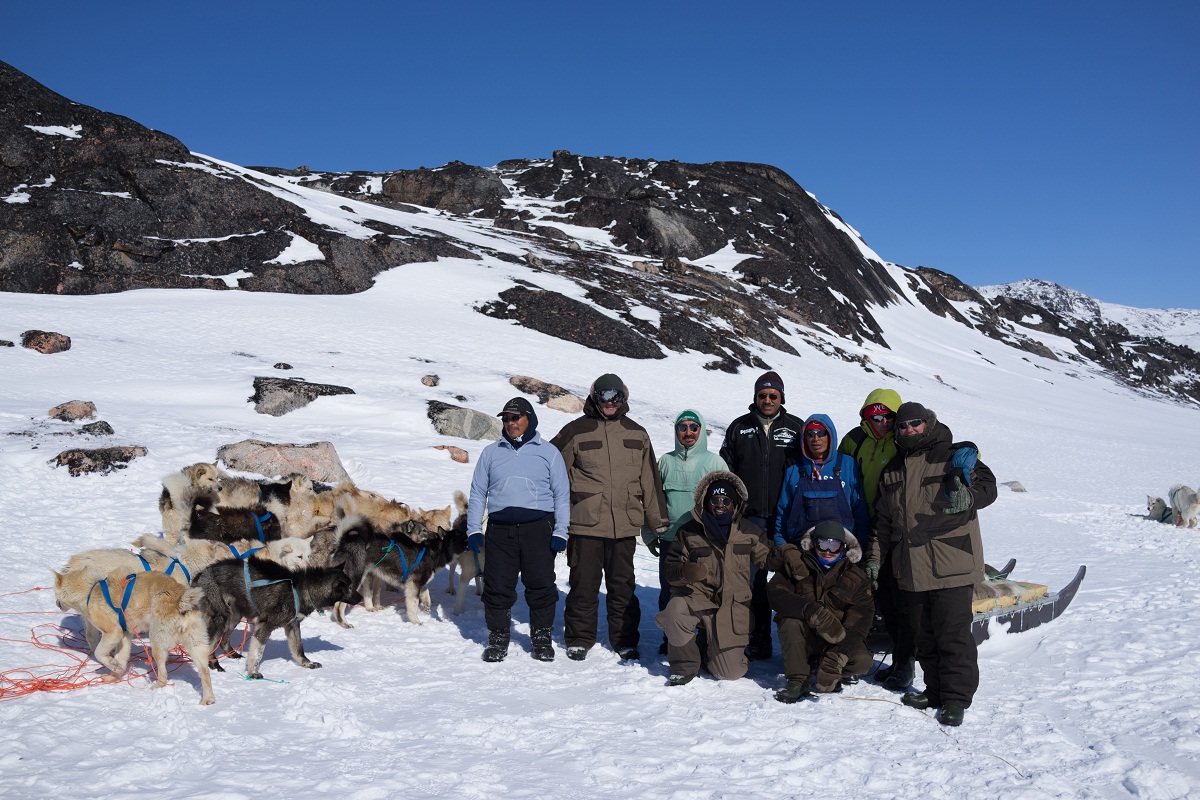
[[292, 501], [1185, 504], [155, 604], [1158, 510], [383, 514]]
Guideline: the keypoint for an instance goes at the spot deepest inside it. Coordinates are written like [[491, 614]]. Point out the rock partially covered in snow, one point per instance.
[[278, 396], [46, 342], [103, 460], [318, 460], [464, 423], [552, 395], [73, 410]]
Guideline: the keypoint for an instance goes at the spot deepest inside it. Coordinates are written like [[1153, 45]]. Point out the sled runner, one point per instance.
[[1021, 606]]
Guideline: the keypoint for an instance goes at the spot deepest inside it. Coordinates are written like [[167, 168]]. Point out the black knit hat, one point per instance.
[[769, 380], [609, 386], [911, 411], [721, 488]]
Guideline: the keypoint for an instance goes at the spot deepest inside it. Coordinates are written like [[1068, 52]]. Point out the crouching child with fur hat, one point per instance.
[[708, 568], [823, 611]]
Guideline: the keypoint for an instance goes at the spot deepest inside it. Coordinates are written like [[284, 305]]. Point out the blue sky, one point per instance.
[[994, 141]]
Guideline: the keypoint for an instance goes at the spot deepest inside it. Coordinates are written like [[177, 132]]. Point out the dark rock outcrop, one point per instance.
[[278, 396], [98, 203]]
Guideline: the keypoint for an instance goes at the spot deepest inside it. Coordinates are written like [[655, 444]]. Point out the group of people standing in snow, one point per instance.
[[783, 520]]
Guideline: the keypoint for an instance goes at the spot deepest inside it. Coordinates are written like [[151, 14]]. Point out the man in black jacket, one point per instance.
[[759, 447]]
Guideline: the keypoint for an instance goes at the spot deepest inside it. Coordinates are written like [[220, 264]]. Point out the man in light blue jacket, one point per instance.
[[522, 482], [681, 471]]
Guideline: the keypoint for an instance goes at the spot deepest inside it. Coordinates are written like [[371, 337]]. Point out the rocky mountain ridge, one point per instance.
[[640, 256]]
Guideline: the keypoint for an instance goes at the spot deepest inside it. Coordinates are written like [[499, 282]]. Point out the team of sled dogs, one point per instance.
[[269, 552], [1182, 507]]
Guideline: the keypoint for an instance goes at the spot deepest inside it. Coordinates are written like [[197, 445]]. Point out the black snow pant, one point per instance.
[[802, 646], [520, 550], [592, 559], [891, 604], [945, 647], [760, 607]]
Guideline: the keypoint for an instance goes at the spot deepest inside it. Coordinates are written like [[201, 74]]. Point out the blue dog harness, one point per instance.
[[391, 545], [258, 523], [129, 579]]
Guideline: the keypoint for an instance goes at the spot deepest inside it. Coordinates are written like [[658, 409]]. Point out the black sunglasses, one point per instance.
[[688, 427], [816, 434], [912, 423], [507, 418], [882, 417], [768, 396], [720, 501]]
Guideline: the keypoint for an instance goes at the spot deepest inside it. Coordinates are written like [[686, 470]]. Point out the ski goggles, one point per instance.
[[610, 396], [830, 545], [687, 427], [912, 423]]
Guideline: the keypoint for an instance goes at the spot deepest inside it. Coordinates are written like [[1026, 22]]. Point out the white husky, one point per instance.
[[1185, 504]]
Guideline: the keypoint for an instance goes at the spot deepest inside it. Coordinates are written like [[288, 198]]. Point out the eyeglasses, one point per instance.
[[720, 501], [688, 427], [878, 418], [507, 418], [767, 396], [912, 423], [829, 545], [614, 396], [819, 433]]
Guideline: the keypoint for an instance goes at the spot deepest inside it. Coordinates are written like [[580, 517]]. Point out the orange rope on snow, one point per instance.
[[24, 681]]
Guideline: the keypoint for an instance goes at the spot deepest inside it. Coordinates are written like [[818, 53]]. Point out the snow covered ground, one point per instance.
[[1099, 703]]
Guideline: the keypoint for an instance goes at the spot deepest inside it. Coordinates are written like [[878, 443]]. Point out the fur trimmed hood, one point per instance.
[[720, 475], [854, 551]]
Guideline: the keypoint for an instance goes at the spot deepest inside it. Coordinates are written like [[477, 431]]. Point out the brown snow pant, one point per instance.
[[801, 645], [683, 651]]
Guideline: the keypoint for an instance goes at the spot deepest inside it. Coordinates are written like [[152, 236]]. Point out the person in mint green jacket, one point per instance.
[[681, 471]]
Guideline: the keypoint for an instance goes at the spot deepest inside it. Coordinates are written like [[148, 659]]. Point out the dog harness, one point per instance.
[[258, 523], [264, 582], [175, 562], [129, 579], [391, 545]]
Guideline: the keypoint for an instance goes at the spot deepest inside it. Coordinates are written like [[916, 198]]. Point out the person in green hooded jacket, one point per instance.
[[873, 444], [681, 471]]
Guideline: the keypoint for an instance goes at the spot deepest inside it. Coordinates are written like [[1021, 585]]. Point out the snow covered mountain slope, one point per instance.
[[1180, 326], [1098, 703]]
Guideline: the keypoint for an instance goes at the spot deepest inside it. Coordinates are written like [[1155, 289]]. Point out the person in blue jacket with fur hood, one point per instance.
[[681, 471], [824, 484]]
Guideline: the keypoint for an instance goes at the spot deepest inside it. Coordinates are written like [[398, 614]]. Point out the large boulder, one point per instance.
[[551, 394], [318, 460], [464, 423], [457, 187], [278, 396]]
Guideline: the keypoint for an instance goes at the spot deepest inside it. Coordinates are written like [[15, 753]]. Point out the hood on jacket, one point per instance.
[[889, 398], [720, 475], [833, 437], [592, 410], [701, 444], [853, 548]]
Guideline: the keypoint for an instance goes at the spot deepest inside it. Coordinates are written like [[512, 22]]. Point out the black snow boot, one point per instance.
[[499, 625], [901, 676], [497, 646], [543, 648]]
